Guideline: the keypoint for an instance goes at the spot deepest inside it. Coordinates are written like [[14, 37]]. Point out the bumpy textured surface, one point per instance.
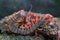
[[7, 24]]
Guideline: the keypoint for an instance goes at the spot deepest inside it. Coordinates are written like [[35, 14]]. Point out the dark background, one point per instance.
[[7, 7]]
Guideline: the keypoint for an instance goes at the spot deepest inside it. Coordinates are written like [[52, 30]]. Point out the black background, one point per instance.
[[7, 7]]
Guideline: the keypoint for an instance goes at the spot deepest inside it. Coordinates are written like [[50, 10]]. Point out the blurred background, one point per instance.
[[7, 7]]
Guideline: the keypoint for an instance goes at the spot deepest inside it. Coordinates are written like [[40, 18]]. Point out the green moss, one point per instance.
[[18, 37]]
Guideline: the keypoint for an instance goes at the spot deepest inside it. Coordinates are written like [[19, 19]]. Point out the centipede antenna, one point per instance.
[[30, 8]]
